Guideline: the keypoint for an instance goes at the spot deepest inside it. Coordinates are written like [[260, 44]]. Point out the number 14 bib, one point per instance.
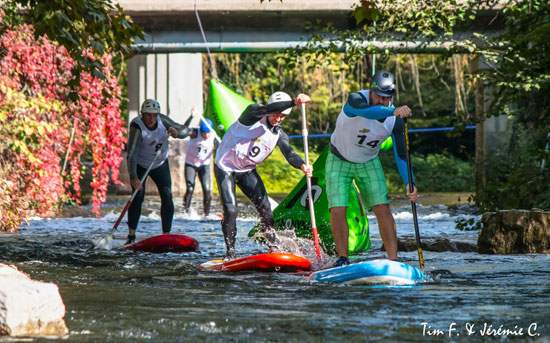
[[358, 139]]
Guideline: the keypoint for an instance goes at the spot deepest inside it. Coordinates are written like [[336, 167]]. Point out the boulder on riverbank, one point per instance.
[[515, 232], [29, 307]]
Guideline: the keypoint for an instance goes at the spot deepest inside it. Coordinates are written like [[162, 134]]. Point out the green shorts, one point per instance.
[[368, 176]]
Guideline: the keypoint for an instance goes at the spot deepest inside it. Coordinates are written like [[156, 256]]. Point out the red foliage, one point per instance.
[[41, 68]]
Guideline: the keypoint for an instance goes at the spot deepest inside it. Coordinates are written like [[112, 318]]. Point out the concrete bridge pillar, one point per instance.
[[175, 80], [491, 133]]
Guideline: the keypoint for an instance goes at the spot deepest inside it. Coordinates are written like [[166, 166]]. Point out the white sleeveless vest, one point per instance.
[[244, 147], [199, 150], [151, 141], [358, 139]]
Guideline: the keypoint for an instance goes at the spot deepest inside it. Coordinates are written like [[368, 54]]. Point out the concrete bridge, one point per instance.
[[233, 25]]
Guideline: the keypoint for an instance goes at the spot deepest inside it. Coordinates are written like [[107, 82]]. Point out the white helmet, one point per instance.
[[150, 106], [280, 96]]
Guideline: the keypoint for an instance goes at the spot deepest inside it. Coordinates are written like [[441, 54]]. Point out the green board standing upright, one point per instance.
[[293, 213], [224, 105]]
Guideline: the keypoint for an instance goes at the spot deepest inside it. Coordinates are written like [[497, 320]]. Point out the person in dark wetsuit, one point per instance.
[[247, 143], [198, 156], [366, 120], [147, 133]]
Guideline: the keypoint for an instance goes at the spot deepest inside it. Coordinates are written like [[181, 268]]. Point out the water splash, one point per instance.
[[287, 241], [105, 242]]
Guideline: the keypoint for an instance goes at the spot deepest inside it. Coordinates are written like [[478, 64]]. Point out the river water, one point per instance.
[[121, 296]]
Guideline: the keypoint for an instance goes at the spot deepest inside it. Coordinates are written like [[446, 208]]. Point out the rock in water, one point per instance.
[[29, 307], [515, 232]]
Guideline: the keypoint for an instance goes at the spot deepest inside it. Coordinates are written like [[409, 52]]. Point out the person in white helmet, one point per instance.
[[247, 143], [147, 133], [366, 120]]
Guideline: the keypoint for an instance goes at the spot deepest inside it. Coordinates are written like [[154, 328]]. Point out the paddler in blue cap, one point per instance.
[[198, 157]]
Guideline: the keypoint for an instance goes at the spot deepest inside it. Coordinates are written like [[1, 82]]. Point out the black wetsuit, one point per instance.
[[250, 182], [203, 172], [160, 175]]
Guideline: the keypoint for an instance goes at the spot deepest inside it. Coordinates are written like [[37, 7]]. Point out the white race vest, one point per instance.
[[199, 150], [151, 141], [358, 139], [244, 147]]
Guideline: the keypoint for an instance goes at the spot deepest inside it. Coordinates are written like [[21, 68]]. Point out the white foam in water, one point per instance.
[[408, 215], [190, 215], [434, 216], [39, 218], [403, 215], [154, 215], [111, 216], [433, 221]]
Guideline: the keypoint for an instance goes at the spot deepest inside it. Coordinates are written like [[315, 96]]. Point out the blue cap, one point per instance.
[[204, 127]]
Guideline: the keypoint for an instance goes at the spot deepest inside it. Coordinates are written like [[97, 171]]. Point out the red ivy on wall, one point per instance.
[[47, 131]]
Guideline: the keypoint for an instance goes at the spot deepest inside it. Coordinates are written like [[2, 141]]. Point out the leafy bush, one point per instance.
[[14, 206], [515, 177], [432, 173]]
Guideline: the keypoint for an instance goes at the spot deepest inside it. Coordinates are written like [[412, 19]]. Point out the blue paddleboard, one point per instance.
[[375, 272]]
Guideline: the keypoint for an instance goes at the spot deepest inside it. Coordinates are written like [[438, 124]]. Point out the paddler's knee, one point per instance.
[[229, 211]]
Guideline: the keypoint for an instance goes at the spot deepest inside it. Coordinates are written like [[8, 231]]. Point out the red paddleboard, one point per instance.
[[272, 262], [164, 243]]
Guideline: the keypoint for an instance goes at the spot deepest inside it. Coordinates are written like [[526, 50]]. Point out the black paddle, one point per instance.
[[411, 189]]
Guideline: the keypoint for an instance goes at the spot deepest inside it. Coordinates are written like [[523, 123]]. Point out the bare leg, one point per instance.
[[386, 226], [340, 229]]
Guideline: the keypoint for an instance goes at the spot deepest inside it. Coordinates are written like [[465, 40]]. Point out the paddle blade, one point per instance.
[[105, 242]]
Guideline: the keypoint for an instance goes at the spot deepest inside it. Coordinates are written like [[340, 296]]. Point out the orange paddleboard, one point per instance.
[[271, 262]]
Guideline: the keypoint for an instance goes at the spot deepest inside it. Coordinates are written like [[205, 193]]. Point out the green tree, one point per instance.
[[98, 26], [518, 175], [521, 77]]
